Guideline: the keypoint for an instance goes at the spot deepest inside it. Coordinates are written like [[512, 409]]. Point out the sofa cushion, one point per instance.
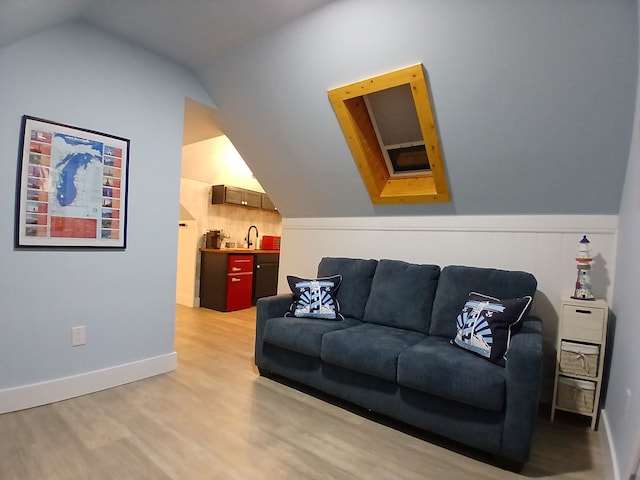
[[402, 295], [368, 348], [315, 297], [356, 282], [455, 284], [485, 324], [302, 335], [435, 366]]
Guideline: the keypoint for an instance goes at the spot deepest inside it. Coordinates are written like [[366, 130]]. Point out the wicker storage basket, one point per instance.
[[576, 395], [579, 359]]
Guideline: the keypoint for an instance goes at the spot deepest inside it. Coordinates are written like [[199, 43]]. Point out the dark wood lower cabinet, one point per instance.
[[265, 275], [235, 281], [226, 281]]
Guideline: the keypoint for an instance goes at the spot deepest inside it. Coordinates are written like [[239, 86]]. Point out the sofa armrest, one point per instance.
[[523, 376], [266, 308]]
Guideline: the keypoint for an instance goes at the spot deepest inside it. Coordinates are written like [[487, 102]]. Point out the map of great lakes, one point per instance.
[[76, 175]]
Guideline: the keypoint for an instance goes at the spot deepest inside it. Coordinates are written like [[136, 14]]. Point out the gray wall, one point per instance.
[[533, 99], [126, 299], [623, 411]]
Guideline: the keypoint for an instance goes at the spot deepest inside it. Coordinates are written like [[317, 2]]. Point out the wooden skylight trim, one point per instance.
[[349, 105]]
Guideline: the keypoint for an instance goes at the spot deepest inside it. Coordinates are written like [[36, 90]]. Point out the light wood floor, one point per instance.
[[215, 418]]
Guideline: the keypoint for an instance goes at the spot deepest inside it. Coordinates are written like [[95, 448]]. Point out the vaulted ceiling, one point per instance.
[[534, 100], [190, 32]]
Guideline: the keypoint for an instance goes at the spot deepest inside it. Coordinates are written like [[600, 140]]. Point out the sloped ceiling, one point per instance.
[[199, 122], [189, 32], [533, 100]]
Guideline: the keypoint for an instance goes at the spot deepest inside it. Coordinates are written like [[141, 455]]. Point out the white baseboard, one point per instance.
[[36, 394], [609, 458], [187, 300]]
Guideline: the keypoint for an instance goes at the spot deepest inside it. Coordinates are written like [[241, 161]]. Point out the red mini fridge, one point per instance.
[[239, 282]]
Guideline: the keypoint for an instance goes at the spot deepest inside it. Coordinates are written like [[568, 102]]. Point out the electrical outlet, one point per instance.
[[78, 336]]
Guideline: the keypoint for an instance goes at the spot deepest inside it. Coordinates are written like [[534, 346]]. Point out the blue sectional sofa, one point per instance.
[[393, 352]]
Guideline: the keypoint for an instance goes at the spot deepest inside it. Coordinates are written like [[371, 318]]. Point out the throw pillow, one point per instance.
[[315, 298], [485, 324]]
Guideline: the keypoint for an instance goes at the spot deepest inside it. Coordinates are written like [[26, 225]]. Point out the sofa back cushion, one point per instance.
[[402, 295], [356, 282], [455, 284]]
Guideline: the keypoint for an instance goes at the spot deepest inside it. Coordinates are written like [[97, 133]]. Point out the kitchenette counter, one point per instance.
[[235, 251]]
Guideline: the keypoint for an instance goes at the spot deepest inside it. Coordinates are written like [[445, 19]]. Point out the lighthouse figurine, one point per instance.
[[583, 281]]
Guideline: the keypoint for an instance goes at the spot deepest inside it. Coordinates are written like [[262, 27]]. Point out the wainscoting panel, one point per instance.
[[546, 246]]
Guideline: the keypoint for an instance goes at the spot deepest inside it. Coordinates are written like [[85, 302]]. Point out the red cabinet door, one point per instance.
[[239, 282], [239, 291], [240, 264]]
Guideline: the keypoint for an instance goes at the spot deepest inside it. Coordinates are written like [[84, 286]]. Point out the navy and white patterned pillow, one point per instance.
[[315, 298], [485, 325]]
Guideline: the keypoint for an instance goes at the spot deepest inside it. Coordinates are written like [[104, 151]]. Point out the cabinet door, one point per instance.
[[267, 204], [240, 264], [239, 282], [213, 280], [234, 196], [252, 199], [239, 288], [265, 275]]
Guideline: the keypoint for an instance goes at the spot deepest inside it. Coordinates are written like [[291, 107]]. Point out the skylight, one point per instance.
[[389, 126]]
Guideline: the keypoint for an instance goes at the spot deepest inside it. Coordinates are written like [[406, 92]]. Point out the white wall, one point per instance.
[[621, 413], [543, 245], [188, 262], [126, 299]]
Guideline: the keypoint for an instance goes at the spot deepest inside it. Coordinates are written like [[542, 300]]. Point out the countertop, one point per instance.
[[237, 250]]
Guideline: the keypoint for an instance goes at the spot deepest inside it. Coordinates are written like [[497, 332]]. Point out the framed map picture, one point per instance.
[[72, 187]]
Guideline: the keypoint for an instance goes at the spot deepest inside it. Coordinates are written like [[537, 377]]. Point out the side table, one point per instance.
[[582, 334]]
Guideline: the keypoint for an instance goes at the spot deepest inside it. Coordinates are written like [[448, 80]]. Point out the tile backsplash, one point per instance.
[[195, 197]]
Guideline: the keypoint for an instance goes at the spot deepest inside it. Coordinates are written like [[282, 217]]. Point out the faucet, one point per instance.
[[249, 238]]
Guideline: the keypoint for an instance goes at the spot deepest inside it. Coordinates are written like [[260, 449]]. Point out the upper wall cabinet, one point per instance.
[[267, 204], [235, 196], [239, 196]]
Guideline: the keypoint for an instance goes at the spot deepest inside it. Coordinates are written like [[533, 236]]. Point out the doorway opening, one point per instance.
[[209, 158]]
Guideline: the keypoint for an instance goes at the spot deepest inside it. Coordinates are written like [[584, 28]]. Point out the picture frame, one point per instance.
[[72, 187]]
